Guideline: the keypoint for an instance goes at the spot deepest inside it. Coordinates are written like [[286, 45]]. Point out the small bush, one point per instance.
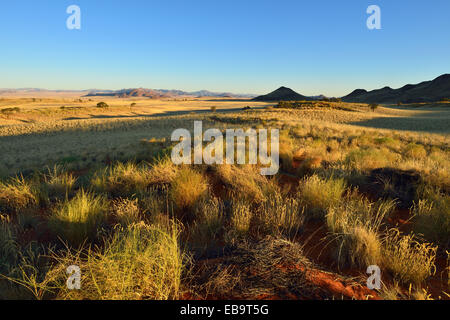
[[10, 110], [78, 219], [373, 106], [102, 105]]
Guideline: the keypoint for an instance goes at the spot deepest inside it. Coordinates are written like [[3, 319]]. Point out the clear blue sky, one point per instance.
[[246, 46]]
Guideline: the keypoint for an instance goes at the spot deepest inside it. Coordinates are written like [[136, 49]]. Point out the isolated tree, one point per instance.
[[213, 109], [373, 106], [133, 105], [102, 105]]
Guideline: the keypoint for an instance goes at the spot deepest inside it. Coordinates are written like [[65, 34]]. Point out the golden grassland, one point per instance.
[[94, 187]]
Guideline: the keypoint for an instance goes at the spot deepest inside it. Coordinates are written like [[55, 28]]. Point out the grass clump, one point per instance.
[[282, 216], [415, 151], [317, 195], [9, 249], [209, 222], [78, 219], [18, 194], [432, 216], [126, 211], [163, 171], [58, 183], [407, 259], [241, 217], [187, 188], [244, 180], [370, 158], [123, 179], [140, 262], [355, 225]]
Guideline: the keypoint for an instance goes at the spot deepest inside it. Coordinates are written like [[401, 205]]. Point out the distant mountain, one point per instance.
[[127, 93], [281, 94], [427, 91], [162, 93], [319, 97]]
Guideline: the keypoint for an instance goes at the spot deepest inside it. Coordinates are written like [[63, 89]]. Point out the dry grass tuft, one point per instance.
[[140, 262], [409, 260], [17, 194], [80, 218], [126, 211], [317, 195], [187, 188]]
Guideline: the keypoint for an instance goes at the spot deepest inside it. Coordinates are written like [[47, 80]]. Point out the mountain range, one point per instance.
[[128, 93], [427, 91], [162, 93]]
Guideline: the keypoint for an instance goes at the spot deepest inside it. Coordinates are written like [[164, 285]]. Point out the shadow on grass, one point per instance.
[[160, 114], [422, 124]]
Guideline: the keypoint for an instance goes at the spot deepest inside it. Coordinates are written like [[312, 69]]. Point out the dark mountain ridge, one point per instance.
[[427, 91]]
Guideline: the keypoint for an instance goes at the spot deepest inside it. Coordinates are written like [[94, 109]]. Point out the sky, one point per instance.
[[246, 46]]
